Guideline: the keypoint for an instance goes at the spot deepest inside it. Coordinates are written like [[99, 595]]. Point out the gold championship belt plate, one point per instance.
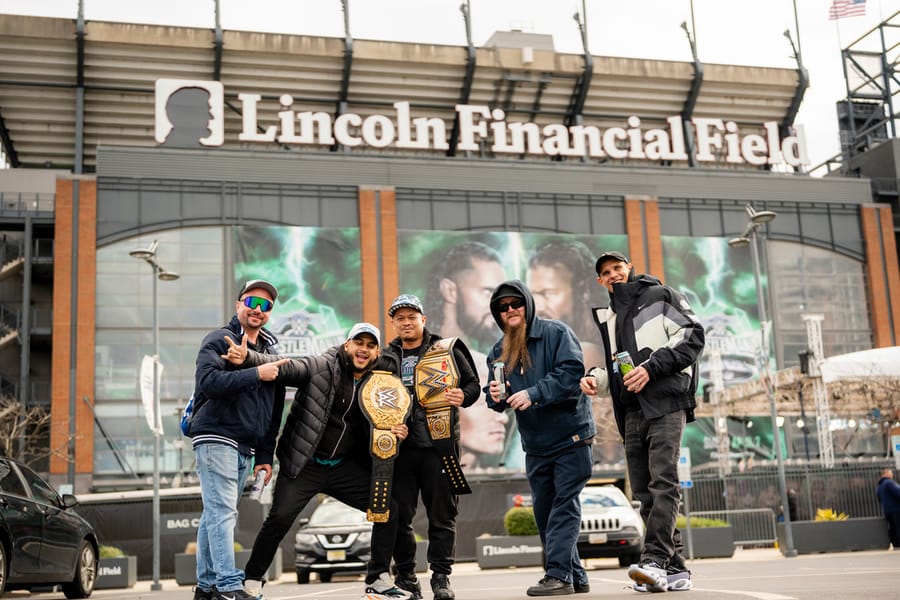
[[435, 373], [385, 403]]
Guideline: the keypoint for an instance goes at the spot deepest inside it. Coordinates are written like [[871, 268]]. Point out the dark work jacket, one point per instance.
[[468, 382], [560, 414], [889, 493], [235, 407], [657, 326]]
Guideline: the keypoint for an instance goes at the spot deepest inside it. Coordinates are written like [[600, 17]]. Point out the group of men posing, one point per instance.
[[335, 441]]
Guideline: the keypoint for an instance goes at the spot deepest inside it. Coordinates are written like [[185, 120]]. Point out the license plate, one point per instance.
[[337, 555], [597, 538]]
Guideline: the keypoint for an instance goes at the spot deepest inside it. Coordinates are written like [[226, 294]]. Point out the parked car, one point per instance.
[[42, 540], [611, 526], [336, 539]]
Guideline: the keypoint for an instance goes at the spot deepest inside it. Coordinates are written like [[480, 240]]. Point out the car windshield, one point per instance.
[[332, 512], [600, 497]]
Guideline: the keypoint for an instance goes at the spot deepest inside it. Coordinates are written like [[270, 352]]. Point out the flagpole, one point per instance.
[[797, 30]]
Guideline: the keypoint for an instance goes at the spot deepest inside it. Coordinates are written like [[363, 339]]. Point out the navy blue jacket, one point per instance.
[[234, 407], [560, 414], [889, 493]]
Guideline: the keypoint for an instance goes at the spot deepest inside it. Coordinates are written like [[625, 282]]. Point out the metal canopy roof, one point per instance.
[[40, 78]]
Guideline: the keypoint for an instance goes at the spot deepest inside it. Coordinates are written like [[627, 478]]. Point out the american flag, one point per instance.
[[846, 8]]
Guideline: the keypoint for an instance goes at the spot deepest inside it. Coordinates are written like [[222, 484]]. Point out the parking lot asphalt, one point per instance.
[[757, 574]]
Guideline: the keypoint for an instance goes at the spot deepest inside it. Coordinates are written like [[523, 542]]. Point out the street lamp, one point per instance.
[[749, 238], [148, 255]]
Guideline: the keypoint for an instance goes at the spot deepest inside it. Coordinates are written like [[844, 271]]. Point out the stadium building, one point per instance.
[[348, 171]]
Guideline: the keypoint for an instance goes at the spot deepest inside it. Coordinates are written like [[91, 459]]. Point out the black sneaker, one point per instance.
[[440, 585], [203, 594], [408, 582], [238, 594], [551, 586], [582, 587]]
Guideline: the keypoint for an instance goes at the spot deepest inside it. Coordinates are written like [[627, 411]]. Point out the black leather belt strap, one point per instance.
[[385, 403]]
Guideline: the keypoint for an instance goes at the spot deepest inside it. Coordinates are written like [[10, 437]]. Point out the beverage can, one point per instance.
[[500, 377], [626, 365], [258, 484]]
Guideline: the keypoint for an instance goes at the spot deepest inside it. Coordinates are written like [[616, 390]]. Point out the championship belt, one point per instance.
[[385, 403], [435, 373]]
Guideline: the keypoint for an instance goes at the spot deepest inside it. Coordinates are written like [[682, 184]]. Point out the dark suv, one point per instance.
[[336, 539], [42, 541]]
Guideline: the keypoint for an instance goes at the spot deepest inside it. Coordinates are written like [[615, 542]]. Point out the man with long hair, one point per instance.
[[543, 365]]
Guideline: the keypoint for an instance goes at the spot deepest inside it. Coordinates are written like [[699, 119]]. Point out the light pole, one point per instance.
[[756, 220], [148, 255]]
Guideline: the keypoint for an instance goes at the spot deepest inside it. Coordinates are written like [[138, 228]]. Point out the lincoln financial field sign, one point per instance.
[[191, 113]]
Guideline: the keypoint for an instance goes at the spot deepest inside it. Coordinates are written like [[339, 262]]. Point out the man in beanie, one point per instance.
[[323, 449], [432, 449], [652, 401], [543, 367]]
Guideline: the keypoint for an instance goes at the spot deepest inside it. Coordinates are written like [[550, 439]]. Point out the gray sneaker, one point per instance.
[[383, 588], [650, 575]]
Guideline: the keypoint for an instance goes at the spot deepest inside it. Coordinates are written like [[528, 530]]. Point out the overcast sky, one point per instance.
[[745, 32]]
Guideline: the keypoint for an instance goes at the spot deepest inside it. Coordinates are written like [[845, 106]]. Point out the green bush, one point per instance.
[[111, 552], [519, 520], [698, 522]]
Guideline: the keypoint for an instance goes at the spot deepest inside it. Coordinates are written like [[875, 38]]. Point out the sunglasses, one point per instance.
[[512, 304], [253, 302]]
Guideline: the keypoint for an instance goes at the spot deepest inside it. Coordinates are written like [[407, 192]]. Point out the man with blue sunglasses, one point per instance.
[[236, 418]]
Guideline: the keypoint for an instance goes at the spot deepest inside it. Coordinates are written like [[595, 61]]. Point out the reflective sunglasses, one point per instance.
[[263, 304], [514, 304]]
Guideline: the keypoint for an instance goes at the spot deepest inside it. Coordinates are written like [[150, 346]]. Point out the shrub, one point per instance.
[[828, 514], [519, 520], [111, 552], [699, 522]]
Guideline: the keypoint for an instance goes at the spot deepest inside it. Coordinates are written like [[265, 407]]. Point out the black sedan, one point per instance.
[[42, 541], [336, 539]]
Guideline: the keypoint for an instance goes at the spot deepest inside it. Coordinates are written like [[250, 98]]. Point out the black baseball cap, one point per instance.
[[261, 284], [610, 255], [405, 301]]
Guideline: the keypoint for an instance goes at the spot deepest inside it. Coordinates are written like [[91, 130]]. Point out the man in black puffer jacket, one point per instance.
[[323, 449]]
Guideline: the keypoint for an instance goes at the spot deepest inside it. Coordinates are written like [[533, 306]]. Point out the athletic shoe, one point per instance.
[[678, 581], [551, 586], [440, 585], [650, 575], [409, 583], [203, 594], [582, 587], [238, 594], [254, 588], [384, 589]]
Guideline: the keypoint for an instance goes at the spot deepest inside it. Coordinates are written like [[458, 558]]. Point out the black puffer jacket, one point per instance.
[[317, 379], [468, 382]]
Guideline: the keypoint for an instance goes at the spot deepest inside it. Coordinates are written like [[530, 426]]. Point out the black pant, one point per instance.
[[348, 482], [419, 470]]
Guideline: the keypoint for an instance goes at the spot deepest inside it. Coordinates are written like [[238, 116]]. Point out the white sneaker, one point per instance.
[[650, 575], [254, 588], [383, 588], [676, 582]]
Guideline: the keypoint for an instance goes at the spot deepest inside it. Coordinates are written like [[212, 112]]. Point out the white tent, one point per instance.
[[880, 363]]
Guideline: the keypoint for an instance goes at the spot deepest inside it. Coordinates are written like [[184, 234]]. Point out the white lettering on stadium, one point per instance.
[[478, 125]]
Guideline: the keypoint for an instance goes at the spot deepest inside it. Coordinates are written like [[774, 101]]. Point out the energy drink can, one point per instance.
[[625, 363], [500, 377], [258, 484]]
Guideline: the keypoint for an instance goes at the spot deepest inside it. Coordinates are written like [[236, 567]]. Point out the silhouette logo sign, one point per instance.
[[189, 113]]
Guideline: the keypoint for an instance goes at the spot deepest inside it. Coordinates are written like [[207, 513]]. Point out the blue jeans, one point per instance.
[[651, 452], [222, 471], [556, 482]]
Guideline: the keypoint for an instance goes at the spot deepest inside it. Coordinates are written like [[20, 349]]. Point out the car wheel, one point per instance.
[[2, 567], [85, 573], [302, 576], [325, 576]]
